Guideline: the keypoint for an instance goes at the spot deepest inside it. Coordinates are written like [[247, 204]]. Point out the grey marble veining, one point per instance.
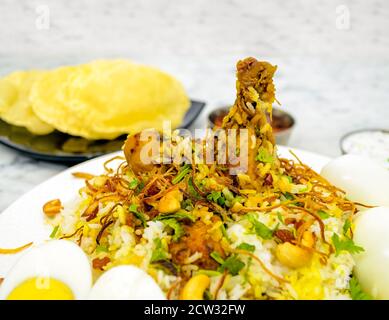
[[332, 80]]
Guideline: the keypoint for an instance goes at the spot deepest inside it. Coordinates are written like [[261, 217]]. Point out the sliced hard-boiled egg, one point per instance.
[[372, 233], [57, 270], [361, 178], [126, 283]]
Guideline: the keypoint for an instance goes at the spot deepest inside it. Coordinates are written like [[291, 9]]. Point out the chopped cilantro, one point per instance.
[[288, 196], [322, 214], [260, 229], [182, 173], [346, 226], [356, 291], [101, 248], [280, 217], [159, 253], [209, 273], [345, 245], [177, 228], [228, 194], [133, 184], [133, 208], [217, 257], [216, 196], [233, 264], [264, 155], [178, 215], [192, 190], [246, 247], [224, 232], [54, 232]]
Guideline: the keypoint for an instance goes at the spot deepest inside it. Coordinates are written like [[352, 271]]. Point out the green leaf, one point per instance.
[[228, 194], [216, 196], [356, 291], [280, 217], [192, 190], [323, 215], [177, 228], [288, 196], [133, 208], [246, 246], [264, 156], [183, 172], [217, 257], [233, 264], [133, 184], [54, 232], [224, 232], [345, 245], [260, 229], [178, 215], [209, 273], [159, 253], [346, 226], [101, 248]]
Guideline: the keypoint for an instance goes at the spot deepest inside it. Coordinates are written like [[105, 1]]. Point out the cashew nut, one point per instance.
[[170, 202], [293, 256], [194, 289]]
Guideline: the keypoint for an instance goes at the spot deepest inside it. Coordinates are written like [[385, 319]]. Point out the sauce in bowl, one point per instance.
[[371, 143]]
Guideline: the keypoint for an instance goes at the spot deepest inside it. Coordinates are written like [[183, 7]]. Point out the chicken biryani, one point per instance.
[[275, 229]]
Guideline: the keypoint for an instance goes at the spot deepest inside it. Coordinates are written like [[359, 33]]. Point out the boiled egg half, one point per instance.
[[55, 270], [372, 265], [126, 283], [362, 179]]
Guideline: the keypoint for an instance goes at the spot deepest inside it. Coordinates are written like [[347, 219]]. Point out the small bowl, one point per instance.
[[283, 123], [349, 134], [375, 146]]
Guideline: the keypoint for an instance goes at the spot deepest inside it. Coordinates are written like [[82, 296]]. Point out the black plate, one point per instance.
[[63, 148]]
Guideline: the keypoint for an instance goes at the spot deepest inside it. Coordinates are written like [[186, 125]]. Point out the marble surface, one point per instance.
[[333, 77]]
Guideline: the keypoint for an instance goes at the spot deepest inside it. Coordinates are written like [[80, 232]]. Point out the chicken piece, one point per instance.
[[255, 95], [138, 159]]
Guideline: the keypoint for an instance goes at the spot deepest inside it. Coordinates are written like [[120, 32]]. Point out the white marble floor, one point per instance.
[[332, 57]]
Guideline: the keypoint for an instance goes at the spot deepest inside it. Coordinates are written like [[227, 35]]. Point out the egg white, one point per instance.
[[372, 233], [126, 283], [57, 259], [361, 178]]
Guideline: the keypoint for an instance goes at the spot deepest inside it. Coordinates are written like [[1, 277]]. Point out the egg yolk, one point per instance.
[[41, 289]]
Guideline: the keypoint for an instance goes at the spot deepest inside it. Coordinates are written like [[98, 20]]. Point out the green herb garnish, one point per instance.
[[246, 246], [160, 253], [345, 245], [192, 189], [101, 248], [217, 257], [288, 196], [176, 227], [322, 214], [133, 208], [182, 173], [356, 291], [233, 264], [133, 184], [260, 229], [209, 273], [216, 196], [346, 226], [178, 215], [280, 217], [264, 156], [54, 232]]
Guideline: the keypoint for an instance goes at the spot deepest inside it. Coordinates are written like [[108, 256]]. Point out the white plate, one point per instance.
[[23, 221]]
